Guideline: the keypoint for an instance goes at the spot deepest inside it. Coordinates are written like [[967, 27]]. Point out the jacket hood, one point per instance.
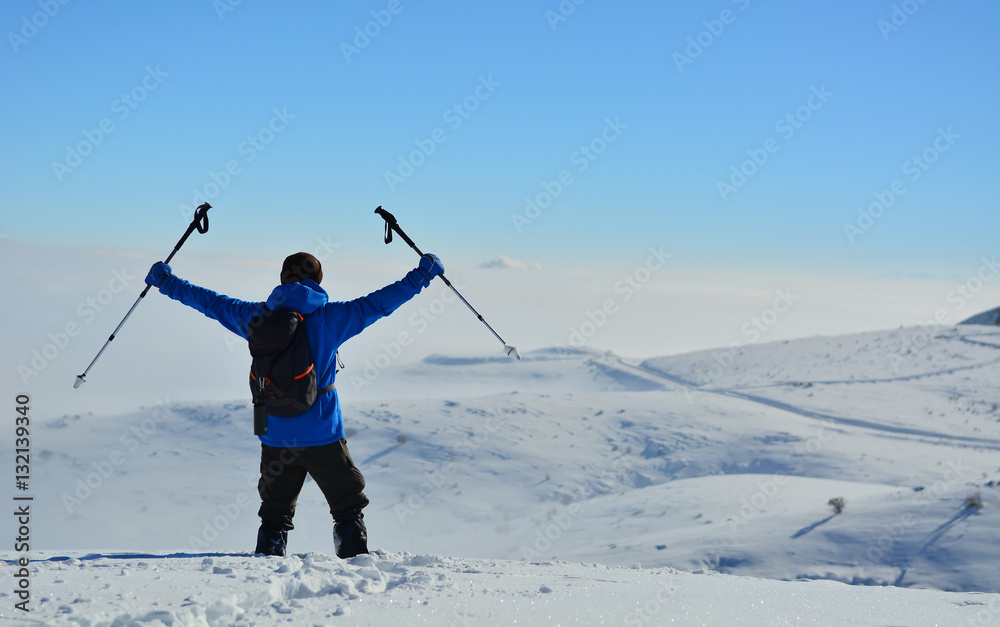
[[304, 297]]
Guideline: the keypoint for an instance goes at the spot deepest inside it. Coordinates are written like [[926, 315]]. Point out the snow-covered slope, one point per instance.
[[991, 317], [544, 371], [151, 589], [705, 461]]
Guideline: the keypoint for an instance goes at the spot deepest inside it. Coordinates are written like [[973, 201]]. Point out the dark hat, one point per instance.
[[299, 267]]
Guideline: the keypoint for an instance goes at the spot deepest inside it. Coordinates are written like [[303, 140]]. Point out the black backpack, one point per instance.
[[282, 375]]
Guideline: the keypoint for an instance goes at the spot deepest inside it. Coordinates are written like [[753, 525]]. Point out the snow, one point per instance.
[[404, 589], [573, 487]]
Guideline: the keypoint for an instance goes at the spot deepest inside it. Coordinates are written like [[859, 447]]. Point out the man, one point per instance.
[[312, 442]]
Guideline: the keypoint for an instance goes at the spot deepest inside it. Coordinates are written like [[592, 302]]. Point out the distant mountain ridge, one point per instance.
[[991, 317]]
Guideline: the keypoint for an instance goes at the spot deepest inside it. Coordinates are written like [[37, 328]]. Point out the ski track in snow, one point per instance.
[[889, 431]]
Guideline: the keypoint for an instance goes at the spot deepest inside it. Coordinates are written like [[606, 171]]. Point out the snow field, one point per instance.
[[478, 487], [156, 589]]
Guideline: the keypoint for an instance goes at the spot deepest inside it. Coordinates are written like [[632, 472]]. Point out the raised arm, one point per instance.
[[232, 313], [347, 319]]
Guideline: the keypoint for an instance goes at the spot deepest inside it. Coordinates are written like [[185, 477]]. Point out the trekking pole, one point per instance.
[[390, 226], [199, 222]]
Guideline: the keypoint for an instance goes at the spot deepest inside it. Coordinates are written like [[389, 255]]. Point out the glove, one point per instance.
[[157, 273], [430, 266]]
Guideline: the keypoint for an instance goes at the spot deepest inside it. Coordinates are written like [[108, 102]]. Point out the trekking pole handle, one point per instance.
[[200, 222], [391, 225]]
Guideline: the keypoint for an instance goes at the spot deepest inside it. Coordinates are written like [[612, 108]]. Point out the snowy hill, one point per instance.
[[708, 461], [987, 317]]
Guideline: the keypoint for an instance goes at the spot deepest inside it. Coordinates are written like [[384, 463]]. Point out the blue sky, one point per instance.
[[741, 137], [218, 76]]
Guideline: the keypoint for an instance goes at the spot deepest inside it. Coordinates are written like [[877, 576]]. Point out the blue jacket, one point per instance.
[[330, 324]]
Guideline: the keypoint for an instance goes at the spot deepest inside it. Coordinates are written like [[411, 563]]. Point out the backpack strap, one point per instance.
[[332, 386]]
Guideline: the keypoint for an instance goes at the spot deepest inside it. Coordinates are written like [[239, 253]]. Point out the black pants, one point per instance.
[[283, 471]]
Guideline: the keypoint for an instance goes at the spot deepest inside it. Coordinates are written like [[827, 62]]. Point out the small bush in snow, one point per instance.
[[838, 504], [974, 501]]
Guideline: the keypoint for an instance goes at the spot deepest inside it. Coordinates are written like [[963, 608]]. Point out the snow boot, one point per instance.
[[271, 540], [350, 537]]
